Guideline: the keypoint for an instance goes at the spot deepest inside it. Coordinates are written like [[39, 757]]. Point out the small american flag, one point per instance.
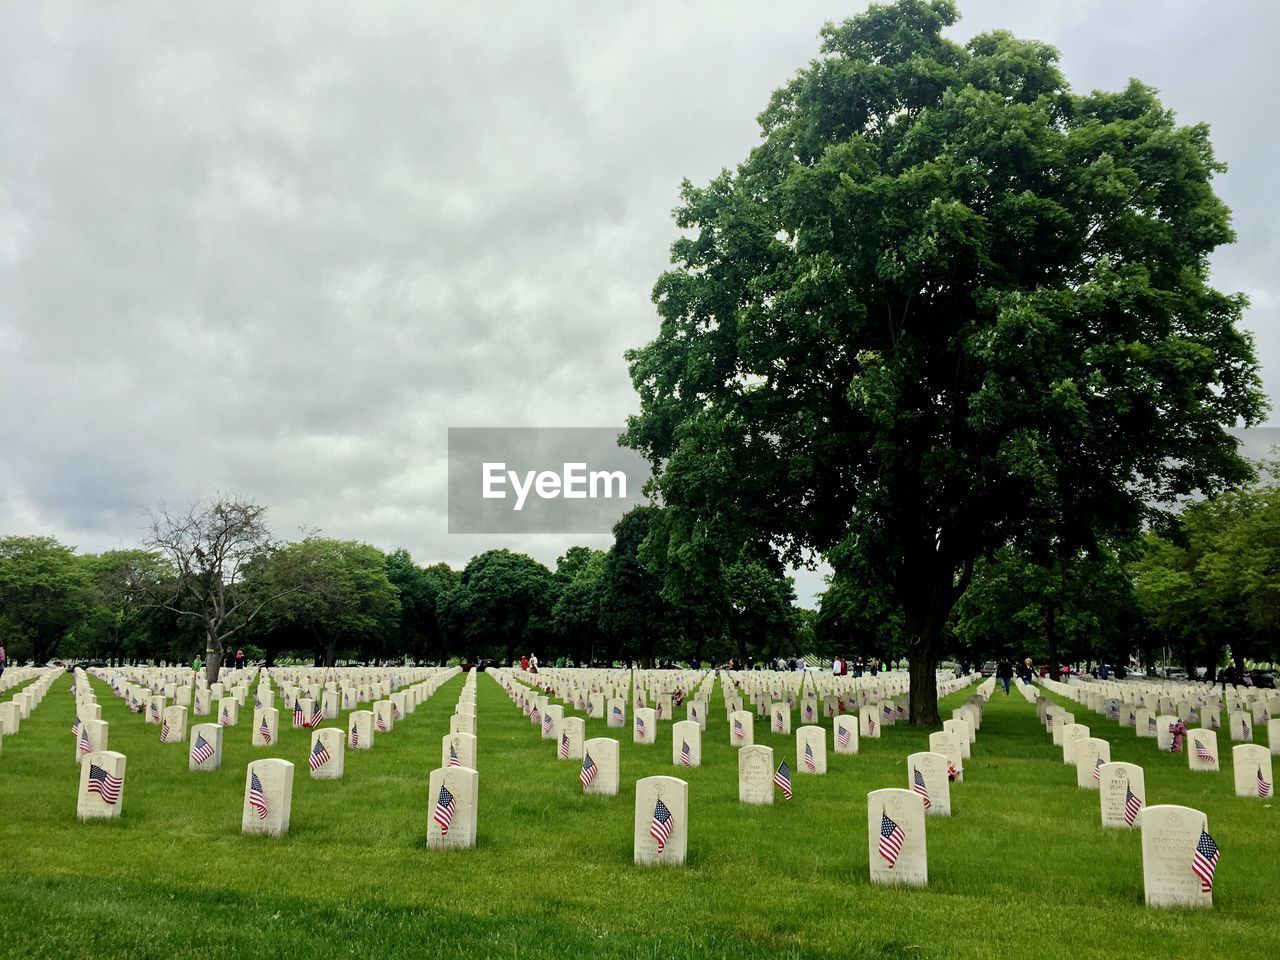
[[297, 712], [201, 750], [686, 759], [591, 707], [842, 735], [782, 780], [918, 786], [75, 726], [164, 732], [1204, 862], [777, 722], [155, 711], [355, 735], [317, 716], [264, 730], [453, 757], [395, 711], [661, 825], [1202, 753], [444, 810], [319, 755], [1132, 805], [871, 725], [1263, 785], [658, 711], [891, 838], [1097, 769], [640, 727], [257, 798], [564, 746], [225, 717], [84, 741], [617, 714], [888, 712], [547, 720], [588, 773], [810, 763], [1248, 732], [738, 732], [1151, 724], [381, 723], [104, 784]]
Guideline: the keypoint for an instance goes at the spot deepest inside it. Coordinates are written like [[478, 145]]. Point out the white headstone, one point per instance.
[[948, 744], [92, 739], [266, 726], [617, 712], [1201, 745], [1251, 765], [458, 750], [360, 730], [961, 729], [268, 797], [869, 721], [1169, 837], [453, 803], [570, 734], [844, 729], [811, 749], [896, 847], [173, 725], [742, 728], [1123, 793], [1091, 754], [206, 747], [645, 728], [101, 785], [927, 775], [755, 774], [686, 743], [604, 758], [327, 758], [661, 821]]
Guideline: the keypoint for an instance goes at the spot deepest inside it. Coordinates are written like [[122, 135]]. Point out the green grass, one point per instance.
[[1021, 869]]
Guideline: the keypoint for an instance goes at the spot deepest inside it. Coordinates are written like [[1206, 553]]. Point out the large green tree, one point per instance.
[[947, 304], [502, 604], [44, 591]]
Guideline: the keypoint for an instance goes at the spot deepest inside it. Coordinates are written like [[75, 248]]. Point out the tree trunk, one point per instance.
[[922, 666], [212, 656]]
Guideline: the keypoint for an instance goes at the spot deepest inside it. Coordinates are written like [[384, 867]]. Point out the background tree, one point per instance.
[[579, 579], [120, 620], [634, 615], [335, 591], [422, 593], [947, 305], [210, 547], [44, 591], [502, 604]]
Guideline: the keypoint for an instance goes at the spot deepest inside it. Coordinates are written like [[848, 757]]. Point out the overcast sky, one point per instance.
[[279, 248]]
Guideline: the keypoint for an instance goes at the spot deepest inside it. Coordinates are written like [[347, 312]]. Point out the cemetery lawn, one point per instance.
[[1023, 869]]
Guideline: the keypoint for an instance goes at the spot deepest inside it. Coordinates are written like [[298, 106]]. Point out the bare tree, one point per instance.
[[212, 546]]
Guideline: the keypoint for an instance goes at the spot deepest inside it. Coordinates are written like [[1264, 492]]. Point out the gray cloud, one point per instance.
[[281, 248]]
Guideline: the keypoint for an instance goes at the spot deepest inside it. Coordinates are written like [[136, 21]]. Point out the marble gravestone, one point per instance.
[[927, 776], [686, 743], [811, 750], [384, 720], [206, 747], [1273, 736], [173, 724], [617, 713], [1072, 734], [948, 744], [571, 732], [1122, 792], [661, 835], [844, 727], [780, 718], [268, 797], [458, 750], [742, 728], [1164, 731], [1144, 722], [869, 721], [462, 723], [360, 730], [1092, 754], [1201, 747], [327, 758], [92, 739], [755, 774], [101, 795], [603, 752], [1251, 768], [1170, 834], [961, 729], [1241, 725], [645, 727], [452, 808], [228, 711], [266, 727], [896, 849]]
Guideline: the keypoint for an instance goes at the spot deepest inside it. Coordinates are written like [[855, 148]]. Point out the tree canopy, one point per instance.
[[947, 305]]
